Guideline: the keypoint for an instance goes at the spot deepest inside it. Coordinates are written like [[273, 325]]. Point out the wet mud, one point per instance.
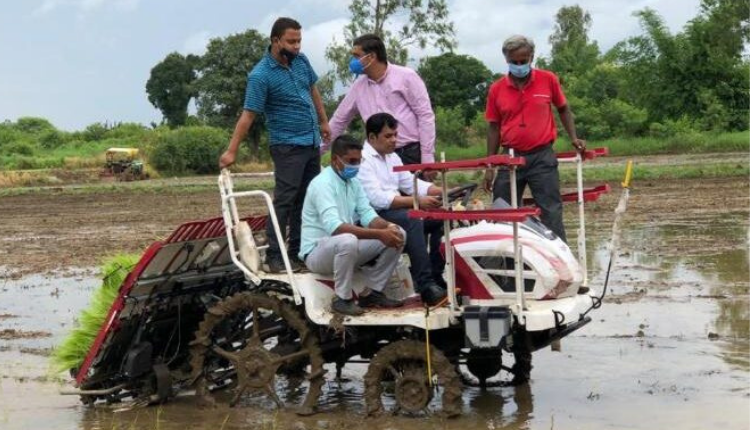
[[670, 347]]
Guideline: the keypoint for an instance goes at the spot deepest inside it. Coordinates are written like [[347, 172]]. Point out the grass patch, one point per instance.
[[73, 349], [162, 186], [692, 143], [651, 172], [46, 177], [603, 173], [72, 155], [18, 179], [252, 167]]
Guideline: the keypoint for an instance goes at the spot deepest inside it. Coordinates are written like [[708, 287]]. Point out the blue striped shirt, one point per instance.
[[284, 96]]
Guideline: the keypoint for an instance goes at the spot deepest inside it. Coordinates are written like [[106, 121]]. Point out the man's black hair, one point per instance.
[[372, 43], [377, 122], [344, 144], [283, 24]]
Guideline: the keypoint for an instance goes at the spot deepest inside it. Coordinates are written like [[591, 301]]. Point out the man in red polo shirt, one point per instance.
[[519, 112]]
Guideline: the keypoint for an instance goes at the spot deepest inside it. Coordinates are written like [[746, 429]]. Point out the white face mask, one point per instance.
[[519, 70]]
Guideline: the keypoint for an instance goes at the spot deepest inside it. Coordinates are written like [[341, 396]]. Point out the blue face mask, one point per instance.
[[519, 71], [356, 67], [349, 171]]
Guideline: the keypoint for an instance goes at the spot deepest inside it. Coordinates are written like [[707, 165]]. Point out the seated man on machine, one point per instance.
[[390, 193], [341, 232]]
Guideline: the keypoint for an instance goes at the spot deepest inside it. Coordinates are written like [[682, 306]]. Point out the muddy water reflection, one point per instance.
[[669, 349], [699, 262], [506, 409]]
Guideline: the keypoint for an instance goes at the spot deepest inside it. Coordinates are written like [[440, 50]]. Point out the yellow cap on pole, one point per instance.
[[628, 174]]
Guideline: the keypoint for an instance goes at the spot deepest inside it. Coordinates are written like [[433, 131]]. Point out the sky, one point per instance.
[[77, 62]]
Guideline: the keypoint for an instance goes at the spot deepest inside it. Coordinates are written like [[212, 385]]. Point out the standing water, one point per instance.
[[668, 349]]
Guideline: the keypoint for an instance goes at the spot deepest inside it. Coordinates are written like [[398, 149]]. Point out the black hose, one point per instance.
[[597, 301]]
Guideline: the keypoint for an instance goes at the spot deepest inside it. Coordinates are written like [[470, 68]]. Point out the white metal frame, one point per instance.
[[517, 251], [582, 258], [520, 307], [232, 218]]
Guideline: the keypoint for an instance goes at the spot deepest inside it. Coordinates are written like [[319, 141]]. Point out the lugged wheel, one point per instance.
[[521, 369], [246, 340], [405, 364]]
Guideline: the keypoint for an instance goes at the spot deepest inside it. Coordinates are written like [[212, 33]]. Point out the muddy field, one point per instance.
[[669, 349]]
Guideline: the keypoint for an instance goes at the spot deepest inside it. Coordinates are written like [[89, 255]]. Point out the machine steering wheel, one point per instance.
[[463, 193]]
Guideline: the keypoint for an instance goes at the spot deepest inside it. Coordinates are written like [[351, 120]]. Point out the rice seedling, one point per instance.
[[72, 350]]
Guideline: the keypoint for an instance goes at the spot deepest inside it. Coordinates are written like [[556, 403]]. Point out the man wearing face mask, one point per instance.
[[342, 233], [519, 112], [282, 87], [381, 86]]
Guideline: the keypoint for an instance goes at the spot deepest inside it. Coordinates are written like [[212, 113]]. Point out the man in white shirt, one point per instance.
[[390, 194]]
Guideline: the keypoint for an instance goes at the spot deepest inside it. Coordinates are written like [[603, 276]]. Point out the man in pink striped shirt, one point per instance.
[[389, 88]]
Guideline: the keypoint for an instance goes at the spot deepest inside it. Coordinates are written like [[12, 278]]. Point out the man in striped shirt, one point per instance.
[[282, 87]]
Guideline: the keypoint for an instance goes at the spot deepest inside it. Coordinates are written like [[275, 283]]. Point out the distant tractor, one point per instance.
[[123, 164]]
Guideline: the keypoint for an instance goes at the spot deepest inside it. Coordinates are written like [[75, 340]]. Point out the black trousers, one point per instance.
[[410, 154], [425, 266], [541, 175], [295, 166]]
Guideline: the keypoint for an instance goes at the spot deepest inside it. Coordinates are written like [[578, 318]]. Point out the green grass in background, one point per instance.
[[693, 143], [75, 154], [615, 174]]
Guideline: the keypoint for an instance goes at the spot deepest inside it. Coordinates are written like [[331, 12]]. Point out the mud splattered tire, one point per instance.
[[404, 362], [256, 364]]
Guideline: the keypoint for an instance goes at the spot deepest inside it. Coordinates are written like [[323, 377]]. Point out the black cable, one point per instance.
[[179, 334], [597, 301]]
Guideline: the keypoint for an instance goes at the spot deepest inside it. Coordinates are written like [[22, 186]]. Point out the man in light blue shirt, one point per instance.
[[334, 243]]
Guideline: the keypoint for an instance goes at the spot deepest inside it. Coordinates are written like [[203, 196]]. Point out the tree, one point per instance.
[[718, 37], [400, 23], [222, 80], [33, 125], [456, 81], [170, 87], [572, 53], [698, 73], [450, 127]]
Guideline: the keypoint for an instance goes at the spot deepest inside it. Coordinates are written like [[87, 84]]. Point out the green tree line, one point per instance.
[[654, 85]]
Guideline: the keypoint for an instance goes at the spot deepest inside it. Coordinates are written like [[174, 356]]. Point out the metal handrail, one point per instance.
[[231, 219]]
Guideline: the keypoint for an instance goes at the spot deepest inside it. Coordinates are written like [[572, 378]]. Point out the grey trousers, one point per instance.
[[541, 175], [343, 253]]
